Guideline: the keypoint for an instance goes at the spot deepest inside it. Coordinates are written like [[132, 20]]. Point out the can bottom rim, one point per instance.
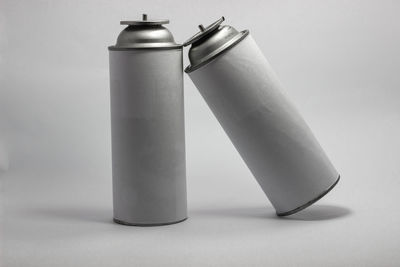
[[147, 224], [309, 203]]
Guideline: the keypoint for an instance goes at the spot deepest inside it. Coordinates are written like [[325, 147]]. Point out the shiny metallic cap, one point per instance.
[[211, 42], [145, 34]]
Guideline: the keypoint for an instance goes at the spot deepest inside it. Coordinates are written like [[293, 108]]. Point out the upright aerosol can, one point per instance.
[[245, 95], [147, 125]]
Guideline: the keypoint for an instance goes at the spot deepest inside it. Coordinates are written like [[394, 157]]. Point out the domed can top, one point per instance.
[[145, 34]]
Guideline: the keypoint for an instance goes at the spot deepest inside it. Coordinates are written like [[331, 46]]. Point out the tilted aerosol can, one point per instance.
[[243, 92], [147, 125]]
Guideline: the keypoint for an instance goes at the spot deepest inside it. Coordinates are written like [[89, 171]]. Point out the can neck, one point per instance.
[[211, 42]]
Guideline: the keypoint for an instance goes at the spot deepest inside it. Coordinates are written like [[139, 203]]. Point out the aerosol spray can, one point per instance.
[[147, 125], [245, 95]]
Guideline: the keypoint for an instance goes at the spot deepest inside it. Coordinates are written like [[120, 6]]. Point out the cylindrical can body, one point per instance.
[[273, 139], [148, 139]]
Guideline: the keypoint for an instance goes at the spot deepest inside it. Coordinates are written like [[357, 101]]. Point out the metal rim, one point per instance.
[[115, 48], [142, 22], [309, 203], [147, 224], [203, 32]]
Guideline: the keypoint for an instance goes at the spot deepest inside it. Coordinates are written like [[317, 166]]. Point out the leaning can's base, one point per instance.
[[147, 224], [309, 203]]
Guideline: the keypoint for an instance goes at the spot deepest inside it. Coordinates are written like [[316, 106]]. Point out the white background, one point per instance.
[[340, 63]]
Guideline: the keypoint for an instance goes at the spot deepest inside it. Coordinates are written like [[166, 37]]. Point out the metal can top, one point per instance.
[[145, 34], [211, 42]]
